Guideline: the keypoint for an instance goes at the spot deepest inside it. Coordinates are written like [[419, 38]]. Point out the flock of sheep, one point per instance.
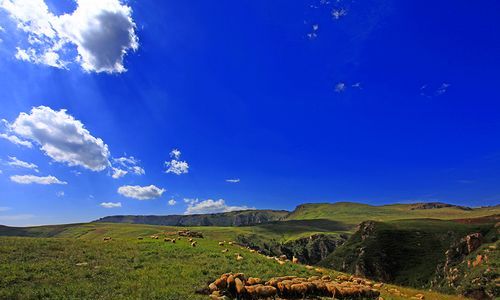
[[230, 286], [236, 285]]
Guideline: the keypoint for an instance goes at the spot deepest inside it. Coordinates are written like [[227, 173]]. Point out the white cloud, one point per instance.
[[172, 202], [97, 35], [60, 194], [338, 13], [15, 140], [236, 180], [62, 137], [340, 87], [118, 173], [442, 89], [177, 167], [211, 206], [141, 192], [126, 165], [111, 204], [21, 164], [175, 153], [29, 179]]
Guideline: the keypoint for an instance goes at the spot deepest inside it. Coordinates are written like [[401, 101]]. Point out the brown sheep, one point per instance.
[[240, 287], [231, 285], [253, 281], [299, 289], [260, 291]]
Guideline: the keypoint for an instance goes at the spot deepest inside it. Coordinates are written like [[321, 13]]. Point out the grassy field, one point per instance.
[[351, 214], [72, 262]]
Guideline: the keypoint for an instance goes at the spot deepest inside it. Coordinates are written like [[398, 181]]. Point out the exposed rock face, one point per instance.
[[462, 248], [308, 250], [313, 249], [236, 218], [434, 205]]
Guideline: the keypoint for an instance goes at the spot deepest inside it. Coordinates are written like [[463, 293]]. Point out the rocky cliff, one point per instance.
[[235, 218]]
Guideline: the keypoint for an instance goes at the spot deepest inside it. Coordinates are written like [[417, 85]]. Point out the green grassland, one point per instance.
[[350, 213], [73, 262]]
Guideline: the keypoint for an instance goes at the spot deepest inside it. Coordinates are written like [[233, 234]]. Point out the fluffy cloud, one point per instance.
[[15, 140], [211, 206], [21, 164], [172, 202], [29, 179], [126, 165], [111, 204], [141, 192], [175, 165], [62, 137], [236, 180], [97, 35]]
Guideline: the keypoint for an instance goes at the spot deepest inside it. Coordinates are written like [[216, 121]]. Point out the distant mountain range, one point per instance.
[[346, 212]]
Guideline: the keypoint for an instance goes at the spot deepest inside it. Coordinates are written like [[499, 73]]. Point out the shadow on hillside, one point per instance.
[[298, 226]]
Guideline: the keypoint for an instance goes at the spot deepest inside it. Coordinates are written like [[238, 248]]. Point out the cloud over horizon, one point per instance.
[[141, 192], [210, 206], [111, 204]]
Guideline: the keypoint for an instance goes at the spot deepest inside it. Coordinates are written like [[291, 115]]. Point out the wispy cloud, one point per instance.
[[20, 217], [172, 202], [30, 179], [429, 91], [125, 165], [235, 180], [111, 204], [15, 162]]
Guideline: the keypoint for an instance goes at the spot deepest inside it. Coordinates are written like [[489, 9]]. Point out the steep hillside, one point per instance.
[[354, 213], [406, 252], [235, 218]]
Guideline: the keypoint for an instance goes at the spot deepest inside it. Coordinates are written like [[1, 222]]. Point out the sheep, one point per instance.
[[261, 291], [107, 238], [230, 243], [193, 244], [140, 238], [295, 260], [166, 240], [239, 257], [281, 262], [190, 240], [221, 243], [253, 281], [225, 250], [240, 287]]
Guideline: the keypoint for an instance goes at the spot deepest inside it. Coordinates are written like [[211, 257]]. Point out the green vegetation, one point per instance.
[[76, 263], [353, 213], [404, 252]]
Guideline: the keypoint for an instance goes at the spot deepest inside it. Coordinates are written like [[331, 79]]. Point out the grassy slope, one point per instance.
[[126, 268], [354, 213]]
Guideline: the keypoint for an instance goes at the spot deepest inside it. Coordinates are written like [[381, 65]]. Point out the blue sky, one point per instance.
[[302, 101]]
